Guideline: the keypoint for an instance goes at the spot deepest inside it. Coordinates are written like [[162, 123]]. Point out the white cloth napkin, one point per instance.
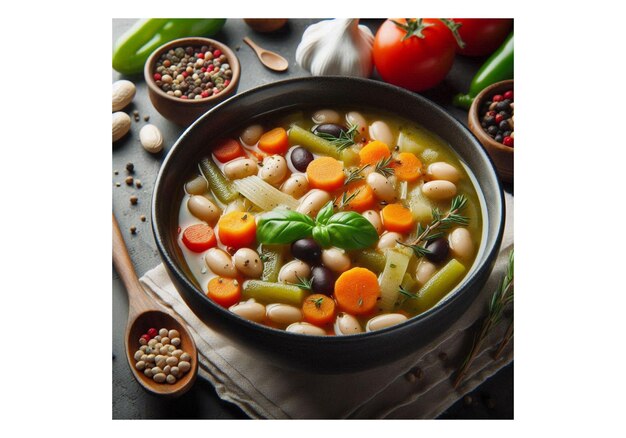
[[418, 386]]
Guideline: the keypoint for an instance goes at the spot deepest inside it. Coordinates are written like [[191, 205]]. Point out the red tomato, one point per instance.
[[482, 36], [413, 56]]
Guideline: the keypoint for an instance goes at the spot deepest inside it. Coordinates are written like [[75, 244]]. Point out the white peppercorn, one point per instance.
[[173, 334], [159, 377], [140, 365], [175, 342], [170, 379], [163, 332], [184, 366]]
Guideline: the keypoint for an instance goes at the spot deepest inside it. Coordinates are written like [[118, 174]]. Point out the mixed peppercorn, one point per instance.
[[497, 118], [193, 72], [160, 356]]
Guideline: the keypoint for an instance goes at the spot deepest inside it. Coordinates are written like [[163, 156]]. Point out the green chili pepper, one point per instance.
[[498, 67], [134, 47]]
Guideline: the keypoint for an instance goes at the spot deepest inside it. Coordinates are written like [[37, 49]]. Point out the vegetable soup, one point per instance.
[[329, 222]]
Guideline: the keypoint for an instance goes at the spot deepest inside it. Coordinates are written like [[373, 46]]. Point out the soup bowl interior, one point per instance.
[[331, 354]]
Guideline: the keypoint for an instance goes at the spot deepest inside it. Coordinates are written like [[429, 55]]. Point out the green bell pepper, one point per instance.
[[498, 67], [134, 47]]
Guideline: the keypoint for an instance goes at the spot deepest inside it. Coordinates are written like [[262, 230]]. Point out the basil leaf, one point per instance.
[[325, 213], [321, 235], [350, 230], [283, 226]]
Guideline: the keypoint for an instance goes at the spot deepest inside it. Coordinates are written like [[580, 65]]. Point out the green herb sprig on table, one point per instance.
[[346, 230], [439, 224], [498, 302], [345, 139]]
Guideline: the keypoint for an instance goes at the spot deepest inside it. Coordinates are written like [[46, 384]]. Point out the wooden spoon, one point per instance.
[[269, 59], [144, 313]]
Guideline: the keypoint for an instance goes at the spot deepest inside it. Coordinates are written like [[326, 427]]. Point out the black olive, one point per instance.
[[493, 130], [331, 129], [323, 280], [498, 138], [489, 120], [504, 125], [439, 249], [300, 158], [307, 250]]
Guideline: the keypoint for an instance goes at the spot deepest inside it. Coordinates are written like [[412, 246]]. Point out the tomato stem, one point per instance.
[[454, 28], [413, 27]]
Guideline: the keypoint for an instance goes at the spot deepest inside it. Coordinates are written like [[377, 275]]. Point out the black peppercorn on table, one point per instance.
[[133, 175]]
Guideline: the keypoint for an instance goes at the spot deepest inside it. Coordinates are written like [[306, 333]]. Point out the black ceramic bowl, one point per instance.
[[332, 354]]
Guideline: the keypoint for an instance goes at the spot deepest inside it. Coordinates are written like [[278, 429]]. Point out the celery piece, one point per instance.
[[219, 185], [416, 140], [272, 262], [396, 262], [267, 292], [439, 285], [420, 206], [311, 142], [408, 282], [370, 259], [264, 195]]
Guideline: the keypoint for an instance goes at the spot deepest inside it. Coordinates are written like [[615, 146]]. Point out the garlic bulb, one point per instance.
[[336, 47]]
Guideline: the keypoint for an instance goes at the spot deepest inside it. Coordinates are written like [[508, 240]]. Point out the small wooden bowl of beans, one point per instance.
[[491, 120], [188, 76]]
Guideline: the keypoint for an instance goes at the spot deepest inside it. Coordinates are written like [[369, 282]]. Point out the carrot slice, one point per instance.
[[227, 150], [224, 291], [364, 199], [319, 309], [199, 237], [357, 291], [275, 141], [237, 229], [325, 173], [397, 218], [407, 167], [373, 152]]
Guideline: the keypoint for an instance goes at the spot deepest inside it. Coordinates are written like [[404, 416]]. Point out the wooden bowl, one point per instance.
[[501, 155], [180, 111]]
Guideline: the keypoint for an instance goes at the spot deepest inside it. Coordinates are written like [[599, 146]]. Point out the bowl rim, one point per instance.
[[192, 41], [490, 253], [475, 125]]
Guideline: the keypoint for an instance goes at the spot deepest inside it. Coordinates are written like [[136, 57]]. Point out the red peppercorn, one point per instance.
[[509, 95], [491, 113], [226, 82], [152, 332], [203, 69], [216, 90], [217, 52], [508, 141], [204, 94], [200, 55], [184, 97], [146, 337], [499, 118], [210, 68], [157, 76], [497, 98]]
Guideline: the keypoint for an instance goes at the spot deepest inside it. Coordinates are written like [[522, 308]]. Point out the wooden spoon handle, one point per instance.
[[138, 301], [251, 43]]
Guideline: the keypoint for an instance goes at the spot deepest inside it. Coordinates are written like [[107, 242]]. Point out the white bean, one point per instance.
[[185, 356], [424, 271], [336, 259], [274, 169], [248, 262], [184, 366], [240, 168], [159, 377], [461, 244], [296, 185], [249, 310], [220, 262], [140, 365], [444, 171], [312, 202], [382, 188], [356, 118], [290, 272], [439, 190], [346, 324], [170, 379], [388, 240], [147, 372], [138, 354], [326, 116], [304, 328], [197, 186], [252, 134], [283, 313], [374, 217], [203, 209], [380, 131], [383, 321]]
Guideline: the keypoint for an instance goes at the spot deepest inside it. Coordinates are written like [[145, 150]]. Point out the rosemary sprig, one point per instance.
[[355, 174], [440, 223], [345, 139], [303, 283], [498, 302], [383, 167], [317, 301], [406, 295], [345, 199]]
